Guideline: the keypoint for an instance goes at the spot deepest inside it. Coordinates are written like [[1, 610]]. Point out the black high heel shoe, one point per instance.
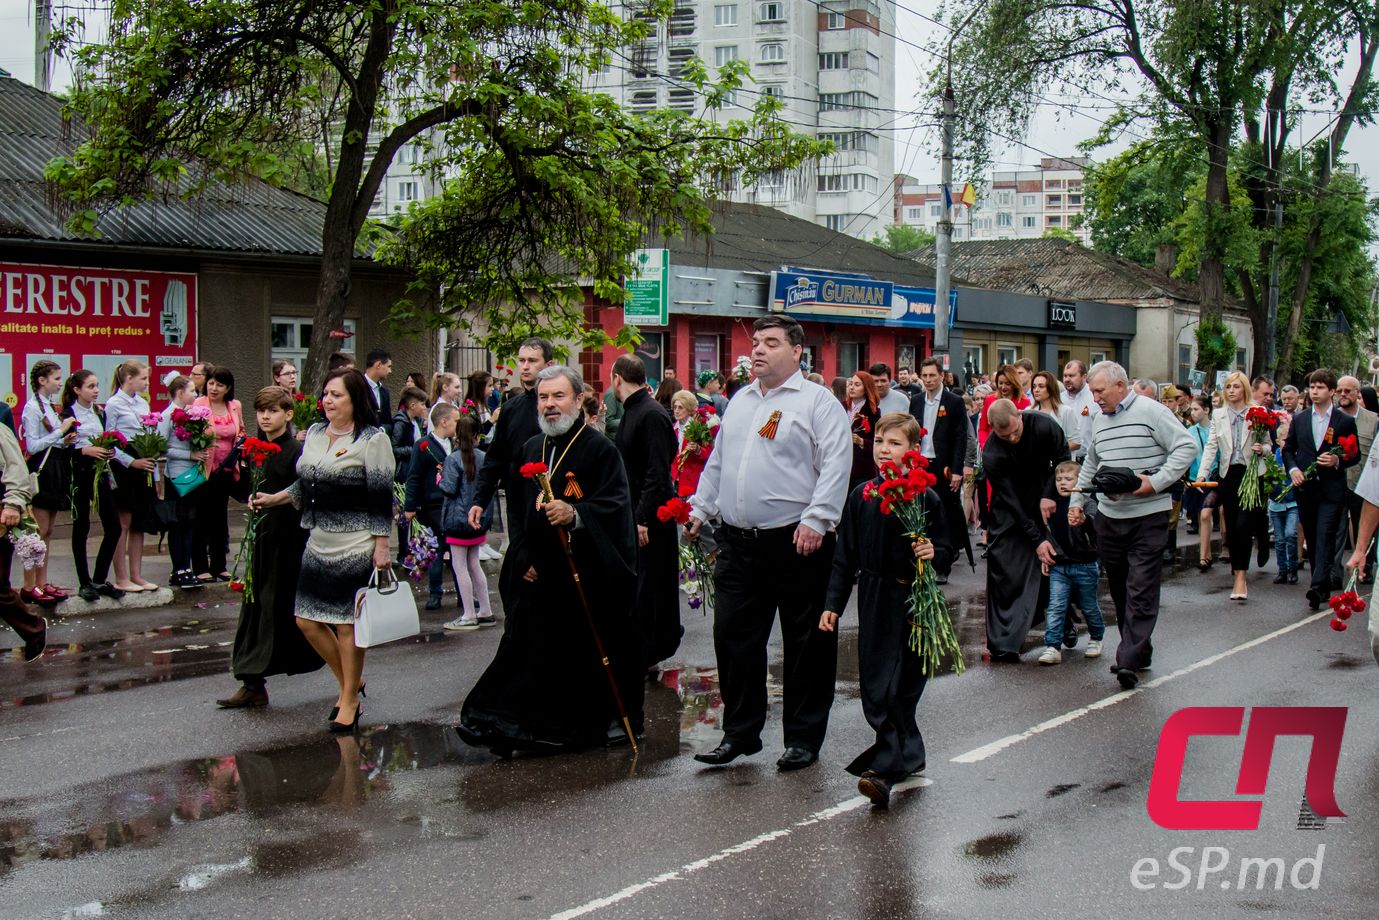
[[335, 710], [1204, 566], [345, 728]]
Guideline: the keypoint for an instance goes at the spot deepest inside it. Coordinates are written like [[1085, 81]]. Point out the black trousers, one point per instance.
[[211, 526], [83, 479], [1243, 528], [1323, 520], [13, 610], [756, 577], [1132, 556]]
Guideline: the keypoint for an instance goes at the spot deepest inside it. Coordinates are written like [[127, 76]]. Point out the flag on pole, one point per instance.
[[969, 195], [947, 198]]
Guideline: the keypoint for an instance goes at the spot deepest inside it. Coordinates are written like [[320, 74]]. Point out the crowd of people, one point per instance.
[[1062, 479]]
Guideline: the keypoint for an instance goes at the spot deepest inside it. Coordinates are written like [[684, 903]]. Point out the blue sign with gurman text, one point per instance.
[[853, 299]]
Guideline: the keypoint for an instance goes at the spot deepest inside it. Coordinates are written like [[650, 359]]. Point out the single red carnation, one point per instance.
[[1338, 625]]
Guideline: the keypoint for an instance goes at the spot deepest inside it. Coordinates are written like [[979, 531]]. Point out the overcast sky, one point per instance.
[[1055, 131]]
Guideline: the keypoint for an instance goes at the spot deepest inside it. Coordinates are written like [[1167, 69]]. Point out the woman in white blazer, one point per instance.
[[1231, 446]]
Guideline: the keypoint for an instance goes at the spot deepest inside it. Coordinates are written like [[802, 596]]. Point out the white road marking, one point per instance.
[[977, 755], [818, 817], [973, 756]]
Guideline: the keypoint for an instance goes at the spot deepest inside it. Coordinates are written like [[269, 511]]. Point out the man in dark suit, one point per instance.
[[1322, 496], [378, 364], [944, 419]]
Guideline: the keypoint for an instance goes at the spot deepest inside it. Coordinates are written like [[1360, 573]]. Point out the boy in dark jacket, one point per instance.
[[1075, 570], [876, 554], [424, 496]]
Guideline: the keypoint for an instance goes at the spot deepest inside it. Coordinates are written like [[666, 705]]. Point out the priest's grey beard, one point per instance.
[[557, 428]]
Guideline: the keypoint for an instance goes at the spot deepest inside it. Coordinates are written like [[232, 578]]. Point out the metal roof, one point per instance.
[[246, 217], [1051, 267], [753, 237]]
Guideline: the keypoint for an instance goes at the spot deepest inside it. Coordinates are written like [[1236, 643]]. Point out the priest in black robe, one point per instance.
[[547, 688], [646, 440], [1019, 460], [516, 425]]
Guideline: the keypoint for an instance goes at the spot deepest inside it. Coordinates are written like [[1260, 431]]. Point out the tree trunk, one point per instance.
[[341, 229], [1211, 272], [1359, 91]]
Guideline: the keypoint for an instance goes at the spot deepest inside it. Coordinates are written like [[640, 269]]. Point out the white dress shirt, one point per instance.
[[1085, 409], [799, 476], [38, 437], [1320, 422], [931, 405], [895, 400], [123, 413], [89, 424]]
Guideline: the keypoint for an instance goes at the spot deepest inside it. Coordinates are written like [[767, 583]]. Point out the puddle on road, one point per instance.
[[344, 773]]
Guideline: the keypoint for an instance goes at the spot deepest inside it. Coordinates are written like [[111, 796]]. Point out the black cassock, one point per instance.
[[875, 553], [1020, 476], [646, 440], [267, 640], [546, 688]]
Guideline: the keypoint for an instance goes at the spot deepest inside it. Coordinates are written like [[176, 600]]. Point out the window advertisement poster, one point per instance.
[[854, 299], [94, 318]]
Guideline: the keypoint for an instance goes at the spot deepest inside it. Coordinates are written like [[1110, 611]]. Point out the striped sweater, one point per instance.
[[1142, 435]]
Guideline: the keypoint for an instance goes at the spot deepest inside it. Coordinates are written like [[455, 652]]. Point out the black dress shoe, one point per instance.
[[88, 593], [796, 758], [1281, 578], [875, 787], [1314, 599], [33, 648], [1128, 679], [727, 752], [244, 698], [1005, 657], [109, 591], [1292, 578]]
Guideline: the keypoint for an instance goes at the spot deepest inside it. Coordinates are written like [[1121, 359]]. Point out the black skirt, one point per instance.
[[54, 469], [134, 494]]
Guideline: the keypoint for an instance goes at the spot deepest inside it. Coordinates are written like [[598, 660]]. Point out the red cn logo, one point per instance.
[[1324, 724]]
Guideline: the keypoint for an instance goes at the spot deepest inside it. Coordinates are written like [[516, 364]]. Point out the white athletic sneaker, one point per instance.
[[1051, 655], [461, 624], [489, 554], [1093, 649]]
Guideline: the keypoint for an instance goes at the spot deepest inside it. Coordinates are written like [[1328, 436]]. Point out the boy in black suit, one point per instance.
[[1315, 432], [943, 417]]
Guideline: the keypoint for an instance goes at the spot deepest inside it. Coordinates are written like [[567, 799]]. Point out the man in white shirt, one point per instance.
[[1079, 396], [777, 479], [890, 398]]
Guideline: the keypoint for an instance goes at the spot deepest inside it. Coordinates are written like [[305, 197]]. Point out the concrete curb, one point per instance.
[[75, 606]]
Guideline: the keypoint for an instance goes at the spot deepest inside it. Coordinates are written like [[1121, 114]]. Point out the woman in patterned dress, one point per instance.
[[345, 492]]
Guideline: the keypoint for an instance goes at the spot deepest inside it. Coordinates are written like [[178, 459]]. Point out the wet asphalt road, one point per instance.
[[125, 793]]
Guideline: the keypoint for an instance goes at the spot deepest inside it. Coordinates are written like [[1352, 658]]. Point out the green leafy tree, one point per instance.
[[904, 238], [1199, 71], [1060, 233], [548, 182]]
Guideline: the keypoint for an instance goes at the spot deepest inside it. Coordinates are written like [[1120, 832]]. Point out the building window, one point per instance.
[[974, 360], [915, 214], [837, 223], [1054, 183], [772, 52], [291, 335], [407, 191], [723, 54], [851, 140], [1055, 220], [935, 210], [1003, 199], [1053, 201], [836, 21], [1007, 354], [706, 353], [1184, 364], [773, 89], [725, 14], [833, 60], [1027, 201], [1074, 201], [849, 358], [643, 100], [873, 63], [772, 12], [1003, 219], [1097, 357], [1241, 364], [1028, 222], [958, 233], [854, 100]]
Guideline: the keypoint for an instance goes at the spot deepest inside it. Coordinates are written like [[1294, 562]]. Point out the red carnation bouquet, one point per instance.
[[254, 454], [1346, 447], [696, 571], [901, 492], [541, 475], [1262, 472], [110, 440]]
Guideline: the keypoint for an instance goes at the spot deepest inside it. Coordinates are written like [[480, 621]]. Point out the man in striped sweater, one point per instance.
[[1132, 529]]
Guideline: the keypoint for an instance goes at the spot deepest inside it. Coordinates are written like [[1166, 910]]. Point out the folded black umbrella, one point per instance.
[[1114, 480]]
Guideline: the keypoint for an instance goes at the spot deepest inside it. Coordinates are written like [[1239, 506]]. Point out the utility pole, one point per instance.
[[943, 239], [1271, 316], [43, 16]]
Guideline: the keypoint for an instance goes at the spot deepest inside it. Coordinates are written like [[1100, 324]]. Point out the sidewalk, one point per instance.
[[158, 568]]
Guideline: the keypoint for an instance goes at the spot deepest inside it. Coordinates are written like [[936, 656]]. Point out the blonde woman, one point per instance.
[[124, 412], [1231, 445], [446, 388]]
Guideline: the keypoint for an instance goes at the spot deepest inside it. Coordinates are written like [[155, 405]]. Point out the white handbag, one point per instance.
[[384, 613]]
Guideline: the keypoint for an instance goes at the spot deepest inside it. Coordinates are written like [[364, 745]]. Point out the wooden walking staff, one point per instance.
[[543, 481]]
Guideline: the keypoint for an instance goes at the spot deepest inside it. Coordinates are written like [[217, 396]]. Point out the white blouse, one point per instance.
[[42, 427]]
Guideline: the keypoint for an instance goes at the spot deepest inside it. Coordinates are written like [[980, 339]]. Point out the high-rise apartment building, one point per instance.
[[830, 62], [1018, 204]]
